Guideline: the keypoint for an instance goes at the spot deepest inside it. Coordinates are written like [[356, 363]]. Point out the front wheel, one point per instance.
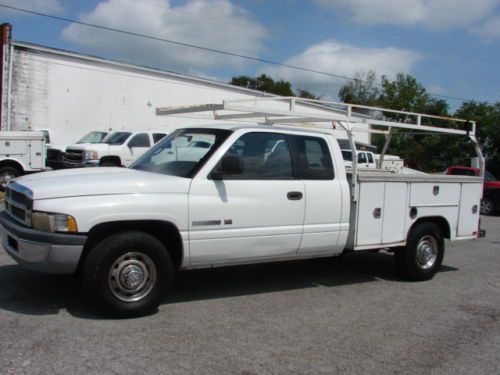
[[128, 274], [423, 254]]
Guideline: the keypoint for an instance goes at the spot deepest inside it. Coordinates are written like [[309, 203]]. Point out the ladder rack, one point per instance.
[[342, 113], [297, 111]]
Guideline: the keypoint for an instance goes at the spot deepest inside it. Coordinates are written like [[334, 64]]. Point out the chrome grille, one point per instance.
[[19, 202], [73, 155]]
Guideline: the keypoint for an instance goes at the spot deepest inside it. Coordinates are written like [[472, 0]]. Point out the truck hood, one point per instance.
[[101, 181]]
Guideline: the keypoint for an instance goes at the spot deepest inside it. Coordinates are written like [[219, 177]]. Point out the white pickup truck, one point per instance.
[[255, 194], [55, 153], [117, 149]]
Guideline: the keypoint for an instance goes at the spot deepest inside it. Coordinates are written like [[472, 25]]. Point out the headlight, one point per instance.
[[91, 154], [50, 222]]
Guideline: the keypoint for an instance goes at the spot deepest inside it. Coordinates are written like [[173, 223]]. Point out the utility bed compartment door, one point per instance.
[[381, 215], [468, 217], [437, 194], [13, 147], [37, 155], [394, 213], [369, 222]]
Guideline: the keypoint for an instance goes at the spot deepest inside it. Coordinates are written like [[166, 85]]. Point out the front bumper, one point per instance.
[[41, 251], [81, 164]]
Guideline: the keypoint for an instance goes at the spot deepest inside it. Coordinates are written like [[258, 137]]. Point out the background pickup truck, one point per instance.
[[118, 148], [55, 153], [240, 194]]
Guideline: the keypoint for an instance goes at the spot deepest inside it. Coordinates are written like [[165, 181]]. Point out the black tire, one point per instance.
[[108, 164], [487, 206], [7, 174], [423, 254], [114, 267]]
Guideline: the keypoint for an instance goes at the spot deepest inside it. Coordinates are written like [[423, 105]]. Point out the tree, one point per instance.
[[360, 90], [303, 93], [432, 153], [487, 117], [267, 84]]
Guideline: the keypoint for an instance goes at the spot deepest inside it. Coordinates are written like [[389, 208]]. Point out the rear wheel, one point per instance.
[[128, 274], [7, 174], [108, 164], [423, 254]]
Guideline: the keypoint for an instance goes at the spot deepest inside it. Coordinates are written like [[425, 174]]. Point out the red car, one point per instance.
[[491, 188], [489, 180]]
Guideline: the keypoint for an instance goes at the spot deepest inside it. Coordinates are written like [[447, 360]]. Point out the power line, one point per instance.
[[183, 44]]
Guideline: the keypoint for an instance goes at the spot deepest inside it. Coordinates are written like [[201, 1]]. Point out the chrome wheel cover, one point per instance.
[[427, 251], [132, 277], [486, 206]]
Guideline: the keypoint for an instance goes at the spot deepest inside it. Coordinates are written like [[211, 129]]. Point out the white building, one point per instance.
[[71, 94]]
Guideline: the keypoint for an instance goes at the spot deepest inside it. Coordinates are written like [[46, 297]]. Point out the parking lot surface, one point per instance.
[[350, 314]]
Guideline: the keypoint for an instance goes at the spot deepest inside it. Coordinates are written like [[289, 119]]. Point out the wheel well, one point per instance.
[[13, 164], [166, 232], [440, 221], [111, 159]]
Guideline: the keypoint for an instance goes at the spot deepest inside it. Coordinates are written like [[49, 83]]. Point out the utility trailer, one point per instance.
[[270, 186]]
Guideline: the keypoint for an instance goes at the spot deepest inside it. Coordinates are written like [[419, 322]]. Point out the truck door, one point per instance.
[[137, 146], [257, 212], [362, 160], [324, 198]]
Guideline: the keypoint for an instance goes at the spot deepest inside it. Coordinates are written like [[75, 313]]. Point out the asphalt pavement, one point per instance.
[[346, 315]]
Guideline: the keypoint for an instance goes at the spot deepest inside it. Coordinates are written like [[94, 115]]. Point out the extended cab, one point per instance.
[[223, 195], [118, 148]]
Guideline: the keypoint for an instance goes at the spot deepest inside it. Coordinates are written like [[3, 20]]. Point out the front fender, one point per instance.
[[90, 211]]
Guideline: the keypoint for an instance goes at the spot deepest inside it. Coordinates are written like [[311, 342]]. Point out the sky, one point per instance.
[[452, 47]]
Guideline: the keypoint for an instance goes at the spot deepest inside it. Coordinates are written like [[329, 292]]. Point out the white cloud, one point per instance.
[[429, 14], [489, 30], [49, 6], [342, 59], [216, 24]]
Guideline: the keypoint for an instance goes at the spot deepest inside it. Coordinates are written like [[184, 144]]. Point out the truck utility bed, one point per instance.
[[386, 205]]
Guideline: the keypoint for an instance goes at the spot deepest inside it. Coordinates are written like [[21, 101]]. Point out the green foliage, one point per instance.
[[267, 84], [303, 93], [487, 117], [361, 90]]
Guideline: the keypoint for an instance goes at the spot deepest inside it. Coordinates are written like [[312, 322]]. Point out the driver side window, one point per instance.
[[262, 156]]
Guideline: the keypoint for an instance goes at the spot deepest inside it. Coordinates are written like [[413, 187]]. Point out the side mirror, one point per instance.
[[230, 165]]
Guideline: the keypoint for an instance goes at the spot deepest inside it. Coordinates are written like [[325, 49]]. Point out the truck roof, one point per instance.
[[259, 127]]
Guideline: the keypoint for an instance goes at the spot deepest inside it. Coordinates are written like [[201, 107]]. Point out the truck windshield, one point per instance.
[[182, 153], [93, 137], [116, 138]]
